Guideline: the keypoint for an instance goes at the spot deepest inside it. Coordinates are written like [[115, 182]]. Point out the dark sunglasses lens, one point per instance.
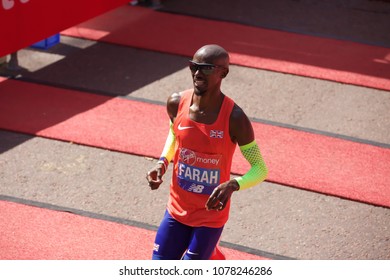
[[206, 69], [193, 67]]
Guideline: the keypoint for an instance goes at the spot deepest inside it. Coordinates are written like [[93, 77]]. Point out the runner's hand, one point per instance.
[[154, 176], [221, 195]]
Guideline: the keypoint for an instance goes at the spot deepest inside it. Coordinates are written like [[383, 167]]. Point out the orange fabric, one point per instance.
[[203, 159], [217, 254]]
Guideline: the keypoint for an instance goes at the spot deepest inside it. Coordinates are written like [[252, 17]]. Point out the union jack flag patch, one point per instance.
[[216, 133]]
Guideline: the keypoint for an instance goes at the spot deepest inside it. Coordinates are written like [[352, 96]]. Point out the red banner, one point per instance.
[[25, 22]]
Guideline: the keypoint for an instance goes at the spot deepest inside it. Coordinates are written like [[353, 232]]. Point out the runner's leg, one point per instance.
[[172, 239], [203, 242]]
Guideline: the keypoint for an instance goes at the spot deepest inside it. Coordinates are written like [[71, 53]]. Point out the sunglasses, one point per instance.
[[205, 68]]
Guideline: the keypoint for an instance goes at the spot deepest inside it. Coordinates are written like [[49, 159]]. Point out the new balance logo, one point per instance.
[[196, 188]]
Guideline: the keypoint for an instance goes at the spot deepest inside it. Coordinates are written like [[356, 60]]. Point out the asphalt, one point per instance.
[[271, 219]]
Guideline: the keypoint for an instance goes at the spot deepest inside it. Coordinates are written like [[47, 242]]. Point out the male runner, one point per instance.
[[205, 128]]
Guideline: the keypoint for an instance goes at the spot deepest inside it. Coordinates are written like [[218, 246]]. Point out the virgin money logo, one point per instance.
[[9, 4], [187, 156]]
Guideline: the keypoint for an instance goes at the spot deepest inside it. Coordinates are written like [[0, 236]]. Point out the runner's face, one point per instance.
[[206, 74]]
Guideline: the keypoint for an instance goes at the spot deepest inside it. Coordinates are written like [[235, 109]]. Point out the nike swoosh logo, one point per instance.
[[191, 253], [183, 127]]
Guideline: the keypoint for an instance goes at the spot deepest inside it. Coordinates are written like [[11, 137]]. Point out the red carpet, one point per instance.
[[335, 60], [31, 233], [304, 160]]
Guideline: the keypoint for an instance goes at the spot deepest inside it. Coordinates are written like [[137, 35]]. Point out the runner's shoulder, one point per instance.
[[173, 104], [174, 98], [237, 115]]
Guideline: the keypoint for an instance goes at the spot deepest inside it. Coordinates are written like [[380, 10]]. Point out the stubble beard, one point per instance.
[[199, 92]]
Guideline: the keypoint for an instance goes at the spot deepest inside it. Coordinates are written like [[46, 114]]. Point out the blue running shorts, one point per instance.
[[175, 241]]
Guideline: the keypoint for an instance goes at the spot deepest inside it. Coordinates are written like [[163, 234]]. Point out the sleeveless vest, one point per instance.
[[202, 161]]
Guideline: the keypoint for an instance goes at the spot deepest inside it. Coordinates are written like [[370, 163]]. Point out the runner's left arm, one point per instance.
[[241, 132]]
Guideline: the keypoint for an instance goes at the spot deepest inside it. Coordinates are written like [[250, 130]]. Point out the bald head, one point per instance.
[[213, 54]]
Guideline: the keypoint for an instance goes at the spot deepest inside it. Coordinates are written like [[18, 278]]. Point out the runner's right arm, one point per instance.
[[154, 176]]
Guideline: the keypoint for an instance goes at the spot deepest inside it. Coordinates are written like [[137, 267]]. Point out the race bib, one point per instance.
[[197, 172]]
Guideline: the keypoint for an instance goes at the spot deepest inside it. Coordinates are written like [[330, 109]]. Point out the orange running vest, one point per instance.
[[202, 161]]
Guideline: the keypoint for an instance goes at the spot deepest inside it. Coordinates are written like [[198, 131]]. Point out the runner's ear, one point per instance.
[[224, 74]]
